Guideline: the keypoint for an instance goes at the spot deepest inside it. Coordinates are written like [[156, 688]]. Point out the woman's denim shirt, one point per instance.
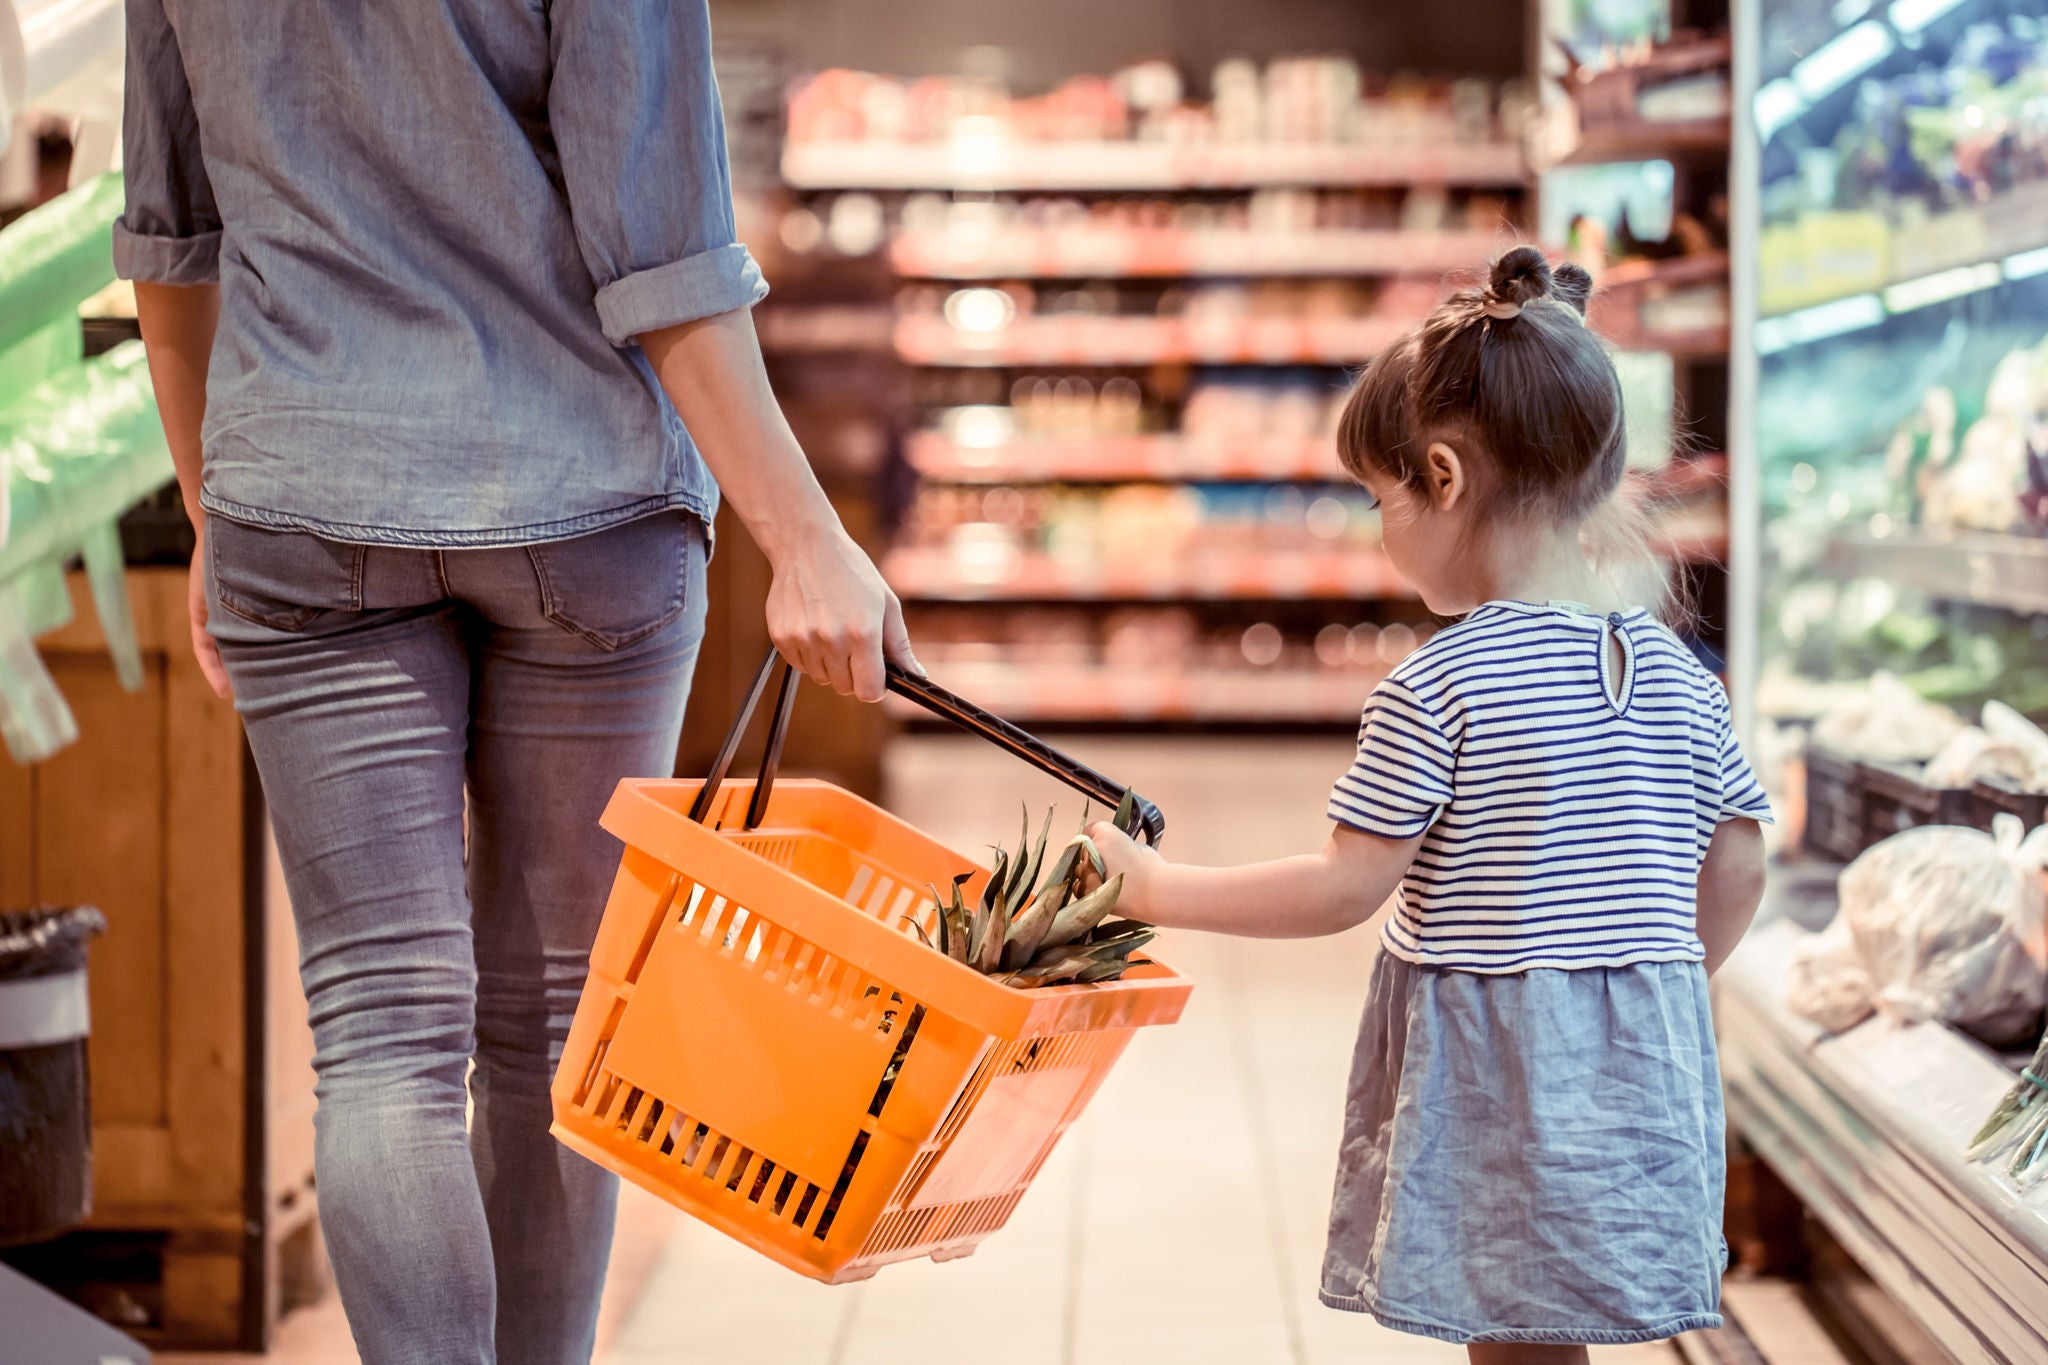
[[437, 229]]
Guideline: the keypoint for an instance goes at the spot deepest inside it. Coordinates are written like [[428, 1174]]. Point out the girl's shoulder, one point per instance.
[[1480, 644]]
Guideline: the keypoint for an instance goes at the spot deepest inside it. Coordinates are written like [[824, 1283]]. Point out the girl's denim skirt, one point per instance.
[[1534, 1157]]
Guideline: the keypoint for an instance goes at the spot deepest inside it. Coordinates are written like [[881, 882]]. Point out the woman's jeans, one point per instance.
[[378, 686]]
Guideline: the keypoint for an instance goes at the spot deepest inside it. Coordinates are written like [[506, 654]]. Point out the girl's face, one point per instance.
[[1426, 529]]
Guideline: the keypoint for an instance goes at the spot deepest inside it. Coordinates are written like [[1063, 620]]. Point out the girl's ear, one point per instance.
[[1443, 475]]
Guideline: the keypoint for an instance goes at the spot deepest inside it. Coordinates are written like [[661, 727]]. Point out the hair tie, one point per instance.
[[1501, 308]]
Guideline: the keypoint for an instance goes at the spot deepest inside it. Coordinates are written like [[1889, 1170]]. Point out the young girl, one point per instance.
[[1532, 1155]]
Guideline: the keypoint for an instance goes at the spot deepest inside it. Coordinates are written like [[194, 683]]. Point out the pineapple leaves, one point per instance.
[[1026, 932]]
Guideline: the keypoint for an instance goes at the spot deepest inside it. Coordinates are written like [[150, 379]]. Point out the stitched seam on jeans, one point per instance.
[[441, 573], [290, 624], [551, 606], [355, 602]]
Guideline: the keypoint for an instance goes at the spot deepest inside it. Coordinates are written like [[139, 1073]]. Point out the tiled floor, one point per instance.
[[1182, 1220]]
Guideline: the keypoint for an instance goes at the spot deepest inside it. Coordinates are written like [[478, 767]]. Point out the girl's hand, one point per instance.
[[1135, 861]]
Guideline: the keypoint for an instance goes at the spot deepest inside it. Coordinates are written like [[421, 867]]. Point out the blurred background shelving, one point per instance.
[[1122, 313]]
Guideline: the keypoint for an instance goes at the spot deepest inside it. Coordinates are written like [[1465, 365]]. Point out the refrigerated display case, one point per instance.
[[1891, 539]]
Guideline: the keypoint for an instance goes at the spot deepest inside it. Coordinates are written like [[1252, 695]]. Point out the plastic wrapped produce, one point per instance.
[[2005, 746], [1889, 723], [1935, 923]]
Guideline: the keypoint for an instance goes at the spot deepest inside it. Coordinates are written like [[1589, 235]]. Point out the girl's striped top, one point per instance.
[[1564, 811]]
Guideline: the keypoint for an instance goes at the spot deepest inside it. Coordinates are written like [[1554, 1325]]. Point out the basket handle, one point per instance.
[[941, 703]]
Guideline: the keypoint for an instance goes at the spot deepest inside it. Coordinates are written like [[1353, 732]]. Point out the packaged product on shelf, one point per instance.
[[1940, 923]]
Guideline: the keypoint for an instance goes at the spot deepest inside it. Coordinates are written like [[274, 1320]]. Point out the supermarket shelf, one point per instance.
[[1869, 1127], [1351, 573], [1096, 340], [1136, 166], [1706, 343], [1169, 253], [1842, 255], [1157, 457], [825, 328], [1044, 693], [1704, 268], [1643, 140], [1992, 570]]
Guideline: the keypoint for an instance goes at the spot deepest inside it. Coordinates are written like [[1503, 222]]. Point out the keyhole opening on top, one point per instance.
[[1617, 663]]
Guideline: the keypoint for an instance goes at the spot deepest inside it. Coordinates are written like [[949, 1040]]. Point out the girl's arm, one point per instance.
[[1731, 886], [1300, 897]]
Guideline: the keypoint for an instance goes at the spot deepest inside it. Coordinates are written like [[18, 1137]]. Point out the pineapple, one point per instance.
[[1027, 934]]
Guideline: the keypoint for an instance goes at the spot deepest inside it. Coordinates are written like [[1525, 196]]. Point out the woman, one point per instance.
[[450, 298]]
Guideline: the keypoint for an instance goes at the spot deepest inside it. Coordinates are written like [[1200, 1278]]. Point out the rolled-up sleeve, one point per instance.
[[634, 109], [170, 231]]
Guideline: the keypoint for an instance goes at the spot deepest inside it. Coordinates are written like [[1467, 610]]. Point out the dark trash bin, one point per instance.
[[45, 1103]]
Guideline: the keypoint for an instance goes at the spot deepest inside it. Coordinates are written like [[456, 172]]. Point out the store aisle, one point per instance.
[[1182, 1220]]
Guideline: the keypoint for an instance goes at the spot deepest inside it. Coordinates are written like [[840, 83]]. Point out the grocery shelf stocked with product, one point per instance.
[[1127, 317], [1633, 152], [1900, 438]]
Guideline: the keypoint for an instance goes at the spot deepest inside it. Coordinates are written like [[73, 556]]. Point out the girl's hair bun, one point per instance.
[[1521, 276], [1570, 284]]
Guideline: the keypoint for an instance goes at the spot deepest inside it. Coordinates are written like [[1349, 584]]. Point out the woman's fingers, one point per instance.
[[896, 638], [204, 649]]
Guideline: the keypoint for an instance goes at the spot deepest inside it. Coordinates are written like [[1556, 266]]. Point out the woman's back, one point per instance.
[[435, 228], [1568, 802]]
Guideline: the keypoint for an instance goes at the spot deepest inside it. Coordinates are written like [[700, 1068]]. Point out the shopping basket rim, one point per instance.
[[651, 815]]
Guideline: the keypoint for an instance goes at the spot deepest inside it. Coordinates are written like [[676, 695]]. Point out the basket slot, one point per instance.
[[604, 1043], [647, 1124], [718, 1154], [879, 896], [654, 923], [625, 1119], [612, 1086], [862, 875]]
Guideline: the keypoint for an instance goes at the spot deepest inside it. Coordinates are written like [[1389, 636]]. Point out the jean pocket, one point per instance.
[[281, 580], [618, 586]]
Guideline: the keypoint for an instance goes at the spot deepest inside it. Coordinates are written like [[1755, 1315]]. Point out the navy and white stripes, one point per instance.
[[1564, 811]]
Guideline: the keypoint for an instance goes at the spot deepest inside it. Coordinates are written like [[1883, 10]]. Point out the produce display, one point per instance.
[[1941, 159], [1905, 437], [1935, 923], [1026, 934]]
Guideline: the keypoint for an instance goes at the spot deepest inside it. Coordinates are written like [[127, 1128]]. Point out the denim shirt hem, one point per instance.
[[413, 537]]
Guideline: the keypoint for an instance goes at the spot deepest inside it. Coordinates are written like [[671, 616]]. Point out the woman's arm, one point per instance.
[[1306, 896], [178, 322], [1731, 885], [829, 611]]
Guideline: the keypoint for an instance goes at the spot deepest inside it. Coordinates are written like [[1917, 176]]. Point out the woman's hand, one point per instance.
[[203, 647], [829, 612], [1135, 862], [831, 615]]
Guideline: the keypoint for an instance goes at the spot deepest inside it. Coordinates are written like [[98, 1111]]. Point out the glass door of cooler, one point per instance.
[[1892, 465]]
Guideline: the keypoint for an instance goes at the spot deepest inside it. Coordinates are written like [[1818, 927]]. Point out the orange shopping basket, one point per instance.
[[762, 1044]]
